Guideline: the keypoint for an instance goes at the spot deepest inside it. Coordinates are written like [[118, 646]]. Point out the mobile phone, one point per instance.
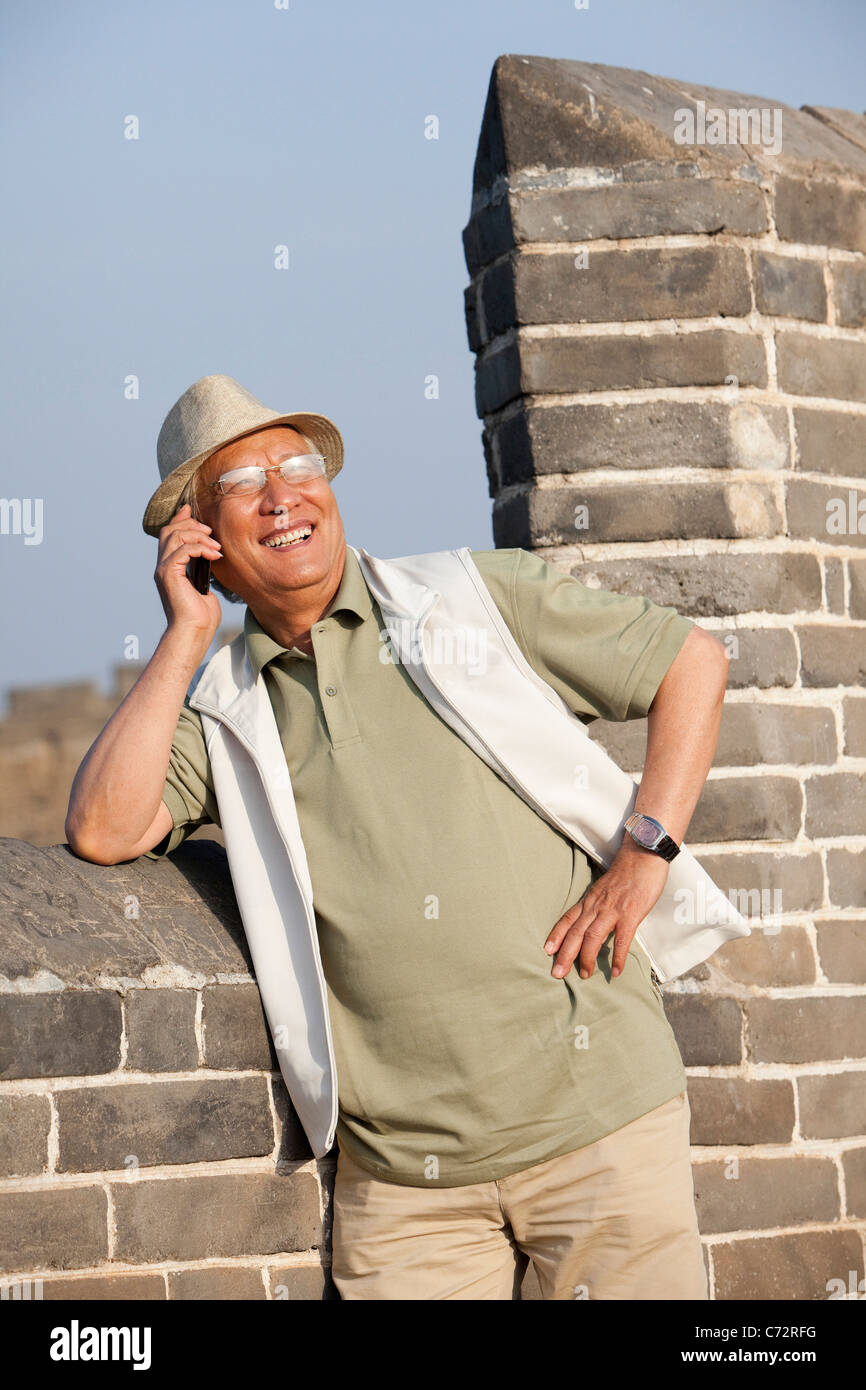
[[198, 573]]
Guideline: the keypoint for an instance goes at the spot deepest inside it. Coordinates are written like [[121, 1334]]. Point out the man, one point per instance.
[[495, 1104]]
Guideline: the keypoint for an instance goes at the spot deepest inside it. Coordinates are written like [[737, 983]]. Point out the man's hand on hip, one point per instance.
[[616, 902]]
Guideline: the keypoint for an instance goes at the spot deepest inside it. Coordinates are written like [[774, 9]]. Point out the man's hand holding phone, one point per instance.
[[181, 540]]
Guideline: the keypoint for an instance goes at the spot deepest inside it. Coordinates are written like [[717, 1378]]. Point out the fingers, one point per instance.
[[578, 924], [621, 943], [586, 948], [189, 547], [182, 523], [183, 537], [581, 932], [561, 928]]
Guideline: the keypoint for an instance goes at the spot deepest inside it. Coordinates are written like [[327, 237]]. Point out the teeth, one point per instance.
[[290, 537]]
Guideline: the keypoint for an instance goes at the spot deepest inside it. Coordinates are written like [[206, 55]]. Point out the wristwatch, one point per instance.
[[651, 835]]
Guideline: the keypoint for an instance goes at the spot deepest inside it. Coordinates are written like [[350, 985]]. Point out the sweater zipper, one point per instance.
[[311, 927]]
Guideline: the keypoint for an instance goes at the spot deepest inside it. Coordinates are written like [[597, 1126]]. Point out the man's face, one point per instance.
[[248, 566]]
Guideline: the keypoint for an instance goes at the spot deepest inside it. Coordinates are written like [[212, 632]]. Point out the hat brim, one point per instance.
[[322, 431]]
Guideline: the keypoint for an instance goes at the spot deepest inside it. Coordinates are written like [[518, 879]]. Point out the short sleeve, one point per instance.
[[605, 653], [188, 789]]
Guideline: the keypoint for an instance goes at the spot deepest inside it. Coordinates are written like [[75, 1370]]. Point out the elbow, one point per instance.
[[712, 659], [86, 847], [702, 664], [82, 850]]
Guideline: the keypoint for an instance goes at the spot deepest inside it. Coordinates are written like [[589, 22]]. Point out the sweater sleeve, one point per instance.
[[604, 653], [188, 789]]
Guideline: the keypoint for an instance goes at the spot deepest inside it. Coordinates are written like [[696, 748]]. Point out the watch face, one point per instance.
[[645, 832]]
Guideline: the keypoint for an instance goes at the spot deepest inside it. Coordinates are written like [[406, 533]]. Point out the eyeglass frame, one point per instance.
[[216, 485]]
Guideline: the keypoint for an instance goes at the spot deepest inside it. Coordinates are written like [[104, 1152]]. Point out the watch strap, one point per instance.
[[667, 848]]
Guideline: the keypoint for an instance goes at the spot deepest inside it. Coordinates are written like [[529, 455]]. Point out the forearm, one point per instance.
[[683, 729], [682, 733], [117, 789]]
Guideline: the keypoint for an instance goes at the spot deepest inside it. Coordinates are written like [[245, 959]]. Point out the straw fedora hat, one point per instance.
[[214, 411]]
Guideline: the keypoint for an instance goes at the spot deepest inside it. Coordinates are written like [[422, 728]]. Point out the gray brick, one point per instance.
[[848, 123], [835, 804], [293, 1141], [61, 1229], [831, 656], [107, 1287], [821, 213], [545, 114], [854, 1166], [146, 1123], [748, 735], [538, 366], [798, 877], [654, 208], [24, 1125], [487, 234], [775, 734], [731, 1110], [639, 284], [854, 722], [830, 442], [70, 1033], [623, 512], [762, 657], [747, 808], [831, 367], [834, 586], [848, 279], [216, 1282], [834, 1106], [676, 434], [772, 955], [831, 513], [789, 1268], [497, 310], [160, 1027], [708, 585], [817, 1029], [765, 1192], [846, 871], [857, 582], [235, 1028], [789, 287], [202, 1217], [842, 950], [311, 1283], [708, 1030]]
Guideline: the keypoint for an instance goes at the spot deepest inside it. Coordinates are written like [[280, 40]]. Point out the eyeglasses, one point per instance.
[[242, 482]]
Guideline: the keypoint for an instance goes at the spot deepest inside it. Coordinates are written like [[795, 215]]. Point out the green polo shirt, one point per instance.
[[460, 1058]]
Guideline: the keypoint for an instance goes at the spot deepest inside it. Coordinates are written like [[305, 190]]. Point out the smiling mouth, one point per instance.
[[290, 540]]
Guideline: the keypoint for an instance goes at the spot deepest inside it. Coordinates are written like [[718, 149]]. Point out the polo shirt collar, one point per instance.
[[352, 596]]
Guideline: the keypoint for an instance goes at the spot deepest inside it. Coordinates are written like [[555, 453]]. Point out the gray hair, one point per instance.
[[190, 495]]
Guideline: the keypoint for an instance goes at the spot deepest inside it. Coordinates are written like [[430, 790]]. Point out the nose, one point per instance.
[[278, 493]]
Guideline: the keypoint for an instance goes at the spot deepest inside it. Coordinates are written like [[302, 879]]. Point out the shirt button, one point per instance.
[[330, 690]]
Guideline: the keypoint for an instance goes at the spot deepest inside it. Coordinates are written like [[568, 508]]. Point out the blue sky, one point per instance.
[[154, 257]]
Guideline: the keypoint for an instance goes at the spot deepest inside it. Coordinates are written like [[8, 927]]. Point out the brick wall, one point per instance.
[[148, 1148], [670, 347]]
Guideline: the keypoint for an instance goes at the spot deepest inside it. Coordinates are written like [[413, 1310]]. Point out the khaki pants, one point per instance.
[[613, 1220]]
